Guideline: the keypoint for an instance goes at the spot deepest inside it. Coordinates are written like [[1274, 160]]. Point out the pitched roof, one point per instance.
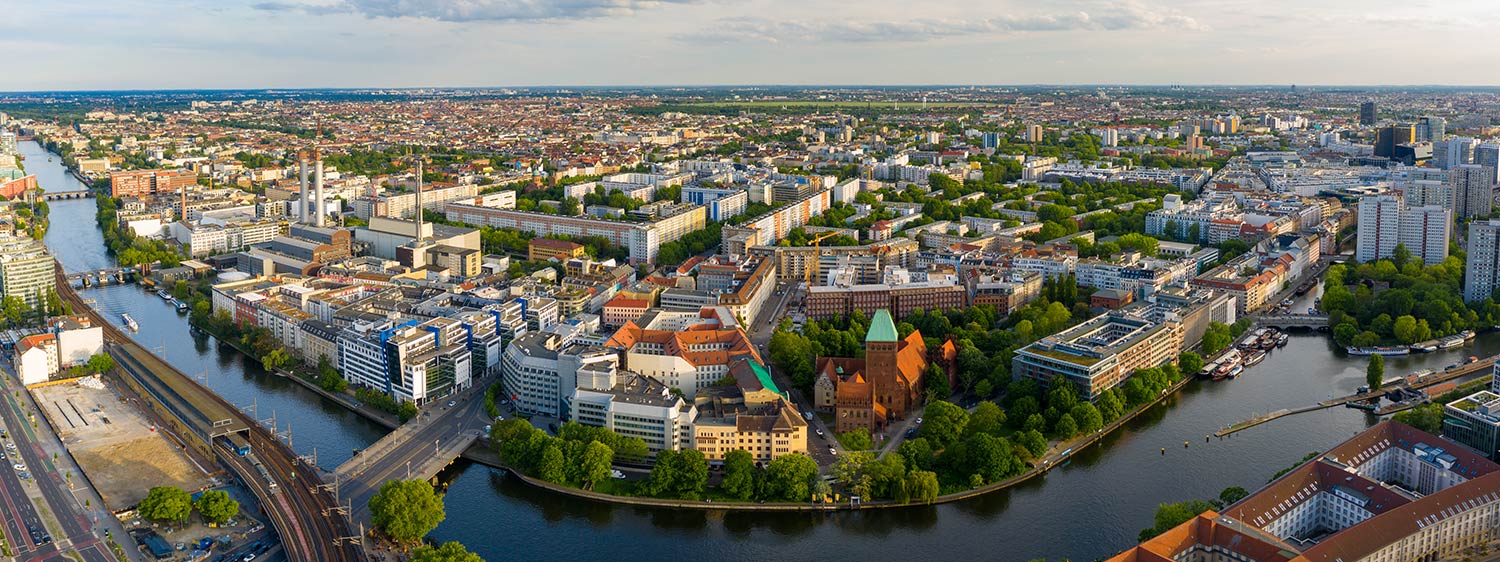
[[882, 328]]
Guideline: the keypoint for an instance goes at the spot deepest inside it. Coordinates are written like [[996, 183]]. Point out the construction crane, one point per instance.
[[817, 254]]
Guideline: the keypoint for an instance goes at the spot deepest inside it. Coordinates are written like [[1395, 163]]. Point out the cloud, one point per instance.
[[474, 10], [1119, 17]]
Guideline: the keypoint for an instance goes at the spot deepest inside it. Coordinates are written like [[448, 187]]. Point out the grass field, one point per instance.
[[826, 104]]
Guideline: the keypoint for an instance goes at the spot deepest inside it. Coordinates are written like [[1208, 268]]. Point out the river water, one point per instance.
[[1089, 509]]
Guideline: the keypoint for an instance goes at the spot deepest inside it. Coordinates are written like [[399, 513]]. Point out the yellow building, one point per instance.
[[547, 248], [750, 415]]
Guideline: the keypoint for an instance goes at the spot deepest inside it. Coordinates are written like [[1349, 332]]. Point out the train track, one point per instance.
[[302, 512]]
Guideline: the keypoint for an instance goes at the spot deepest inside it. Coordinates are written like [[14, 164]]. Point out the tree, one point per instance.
[[1088, 417], [1405, 329], [552, 467], [446, 552], [166, 503], [1066, 426], [790, 477], [100, 363], [943, 423], [856, 440], [216, 506], [1230, 495], [1400, 255], [1169, 515], [739, 475], [276, 359], [680, 474], [1216, 338], [1375, 372], [406, 510], [1034, 442], [1189, 362], [987, 418], [594, 464], [922, 486]]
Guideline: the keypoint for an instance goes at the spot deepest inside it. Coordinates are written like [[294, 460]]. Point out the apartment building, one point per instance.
[[404, 205], [1482, 268], [204, 239], [644, 240], [1385, 222], [770, 228], [146, 183], [750, 415], [540, 370], [27, 269]]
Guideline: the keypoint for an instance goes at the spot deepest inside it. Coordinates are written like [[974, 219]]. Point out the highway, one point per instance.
[[300, 511]]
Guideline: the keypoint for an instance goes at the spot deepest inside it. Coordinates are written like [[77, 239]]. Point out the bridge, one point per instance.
[[1284, 321], [60, 195], [109, 276], [418, 450], [301, 511]]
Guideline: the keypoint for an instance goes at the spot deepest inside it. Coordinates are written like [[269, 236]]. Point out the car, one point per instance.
[[452, 403], [919, 421], [249, 557], [819, 432], [25, 475], [20, 467], [616, 474], [807, 415], [911, 432], [833, 451]]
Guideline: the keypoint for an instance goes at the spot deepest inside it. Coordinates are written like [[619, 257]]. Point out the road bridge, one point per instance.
[[418, 450], [1285, 321], [300, 510]]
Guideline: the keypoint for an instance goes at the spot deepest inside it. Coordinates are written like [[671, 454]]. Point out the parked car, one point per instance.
[[616, 474]]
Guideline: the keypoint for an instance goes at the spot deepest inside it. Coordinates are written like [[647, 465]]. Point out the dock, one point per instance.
[[1423, 382]]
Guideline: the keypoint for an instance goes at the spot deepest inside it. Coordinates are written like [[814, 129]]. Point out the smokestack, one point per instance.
[[318, 192], [302, 185]]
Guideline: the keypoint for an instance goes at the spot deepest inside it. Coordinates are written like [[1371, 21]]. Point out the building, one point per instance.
[[751, 415], [146, 183], [35, 359], [688, 360], [631, 405], [1385, 222], [1388, 138], [206, 239], [643, 239], [1101, 353], [1482, 268], [1389, 494], [1006, 292], [1473, 190], [1367, 113], [547, 248], [410, 361], [540, 370], [899, 297], [882, 387], [27, 270], [78, 339], [622, 309], [1474, 421]]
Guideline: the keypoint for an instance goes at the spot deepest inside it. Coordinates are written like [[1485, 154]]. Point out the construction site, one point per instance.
[[120, 450]]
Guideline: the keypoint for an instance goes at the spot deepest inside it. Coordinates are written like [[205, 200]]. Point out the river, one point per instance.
[[1089, 509]]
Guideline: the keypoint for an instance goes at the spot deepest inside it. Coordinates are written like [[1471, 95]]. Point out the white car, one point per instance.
[[919, 421], [20, 466], [617, 475], [452, 403], [833, 451]]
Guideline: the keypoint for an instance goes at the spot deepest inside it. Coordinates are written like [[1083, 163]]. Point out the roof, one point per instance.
[[1208, 529], [882, 328], [555, 244], [37, 340]]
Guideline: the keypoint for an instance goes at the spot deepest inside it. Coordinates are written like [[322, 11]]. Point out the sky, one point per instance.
[[231, 44]]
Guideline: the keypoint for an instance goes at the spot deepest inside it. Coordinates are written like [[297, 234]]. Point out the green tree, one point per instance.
[[1228, 496], [594, 464], [1216, 338], [790, 477], [166, 503], [100, 363], [406, 510], [552, 466], [1405, 329], [987, 418], [1033, 441], [1190, 362], [679, 474], [1169, 515], [216, 506], [856, 440], [1375, 372], [446, 552], [739, 475], [1088, 417], [943, 423], [922, 486], [1066, 426], [274, 360]]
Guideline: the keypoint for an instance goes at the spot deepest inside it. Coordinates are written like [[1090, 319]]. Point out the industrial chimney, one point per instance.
[[318, 191], [302, 185]]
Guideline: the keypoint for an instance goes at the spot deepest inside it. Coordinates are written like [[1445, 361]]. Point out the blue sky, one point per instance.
[[148, 44]]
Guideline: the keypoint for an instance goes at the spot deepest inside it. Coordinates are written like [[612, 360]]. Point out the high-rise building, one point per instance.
[[1432, 129], [1385, 222], [1452, 153], [1488, 156], [1482, 268], [26, 269], [1388, 138], [1473, 190], [990, 140], [1033, 133], [1367, 113]]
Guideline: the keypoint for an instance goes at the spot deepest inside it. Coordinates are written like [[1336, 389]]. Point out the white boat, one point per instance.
[[130, 323]]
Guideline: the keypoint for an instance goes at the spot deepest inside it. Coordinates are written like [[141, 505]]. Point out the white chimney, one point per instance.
[[302, 186], [318, 192]]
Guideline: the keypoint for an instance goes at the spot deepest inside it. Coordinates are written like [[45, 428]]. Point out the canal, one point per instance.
[[1088, 509]]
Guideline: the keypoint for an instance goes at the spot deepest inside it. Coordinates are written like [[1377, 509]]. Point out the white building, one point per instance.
[[632, 405], [1482, 269], [35, 359], [1385, 222], [540, 371], [410, 361], [1473, 188]]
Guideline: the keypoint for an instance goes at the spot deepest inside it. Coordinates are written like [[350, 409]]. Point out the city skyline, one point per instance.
[[189, 44]]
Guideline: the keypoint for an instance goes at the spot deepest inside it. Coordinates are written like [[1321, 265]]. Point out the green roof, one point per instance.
[[882, 328], [765, 377]]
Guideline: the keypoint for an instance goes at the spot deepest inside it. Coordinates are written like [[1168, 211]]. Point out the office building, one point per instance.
[[1487, 155], [1367, 114], [750, 415], [644, 240], [26, 269], [631, 405], [540, 370], [687, 360], [1474, 421], [1391, 136], [1101, 353], [144, 183], [547, 248], [1453, 152], [1432, 129], [1389, 494], [1473, 190], [408, 360], [1006, 292]]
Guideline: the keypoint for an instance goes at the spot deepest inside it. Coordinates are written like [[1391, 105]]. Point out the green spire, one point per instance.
[[882, 328]]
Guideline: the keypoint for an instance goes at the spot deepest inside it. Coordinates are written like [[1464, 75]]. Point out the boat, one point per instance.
[[163, 294], [1366, 406], [1383, 350], [1281, 339], [1424, 347], [179, 305], [1222, 371], [1208, 370], [130, 323], [1235, 372], [1254, 358], [1451, 342]]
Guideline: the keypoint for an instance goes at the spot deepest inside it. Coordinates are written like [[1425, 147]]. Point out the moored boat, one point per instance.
[[1383, 350], [1254, 358]]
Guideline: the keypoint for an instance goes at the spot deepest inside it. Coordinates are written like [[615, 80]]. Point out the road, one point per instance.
[[72, 530], [821, 448], [429, 431]]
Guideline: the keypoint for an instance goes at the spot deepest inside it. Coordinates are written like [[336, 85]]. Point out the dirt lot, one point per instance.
[[115, 445]]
